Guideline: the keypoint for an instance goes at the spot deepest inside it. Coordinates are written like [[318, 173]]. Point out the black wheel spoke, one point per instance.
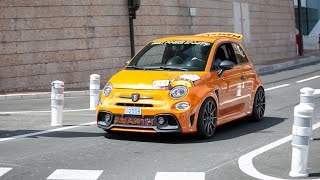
[[206, 113]]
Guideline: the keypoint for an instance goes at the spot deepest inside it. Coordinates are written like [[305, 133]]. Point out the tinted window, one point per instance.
[[239, 53]]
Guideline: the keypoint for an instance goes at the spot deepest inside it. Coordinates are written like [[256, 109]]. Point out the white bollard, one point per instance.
[[307, 97], [301, 132], [94, 90], [57, 103]]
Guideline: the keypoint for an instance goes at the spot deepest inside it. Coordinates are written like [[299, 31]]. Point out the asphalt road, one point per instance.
[[57, 154]]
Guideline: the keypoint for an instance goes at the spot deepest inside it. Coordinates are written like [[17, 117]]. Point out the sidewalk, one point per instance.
[[277, 162], [262, 69], [284, 64]]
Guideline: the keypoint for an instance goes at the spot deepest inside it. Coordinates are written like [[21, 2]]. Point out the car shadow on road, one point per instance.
[[57, 134], [30, 133], [228, 131]]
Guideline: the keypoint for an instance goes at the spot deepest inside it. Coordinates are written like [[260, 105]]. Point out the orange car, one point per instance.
[[183, 84]]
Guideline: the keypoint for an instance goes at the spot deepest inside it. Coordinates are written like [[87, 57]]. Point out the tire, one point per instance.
[[259, 106], [207, 119]]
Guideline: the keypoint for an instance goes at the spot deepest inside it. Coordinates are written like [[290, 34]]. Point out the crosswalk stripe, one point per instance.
[[180, 176], [75, 174], [4, 170]]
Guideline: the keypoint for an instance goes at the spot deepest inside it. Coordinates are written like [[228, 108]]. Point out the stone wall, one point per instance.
[[46, 40]]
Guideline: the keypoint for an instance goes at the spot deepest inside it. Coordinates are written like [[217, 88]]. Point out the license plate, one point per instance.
[[132, 111], [134, 121]]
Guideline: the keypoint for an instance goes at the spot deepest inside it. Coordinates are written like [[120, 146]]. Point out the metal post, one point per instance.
[[57, 103], [300, 27], [94, 90], [319, 40], [301, 133], [131, 17]]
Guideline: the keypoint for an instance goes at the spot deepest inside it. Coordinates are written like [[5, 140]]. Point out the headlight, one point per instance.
[[107, 90], [178, 92]]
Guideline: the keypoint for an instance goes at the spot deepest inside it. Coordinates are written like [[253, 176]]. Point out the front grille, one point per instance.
[[134, 105]]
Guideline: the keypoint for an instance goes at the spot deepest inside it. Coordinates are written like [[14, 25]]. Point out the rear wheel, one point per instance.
[[259, 106], [207, 119]]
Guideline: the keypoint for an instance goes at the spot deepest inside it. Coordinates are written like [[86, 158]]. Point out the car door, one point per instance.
[[247, 77], [230, 84]]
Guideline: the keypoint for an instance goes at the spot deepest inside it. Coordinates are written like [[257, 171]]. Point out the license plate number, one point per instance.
[[132, 111], [134, 121]]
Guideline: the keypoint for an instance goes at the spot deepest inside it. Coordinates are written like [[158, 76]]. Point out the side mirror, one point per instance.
[[225, 65]]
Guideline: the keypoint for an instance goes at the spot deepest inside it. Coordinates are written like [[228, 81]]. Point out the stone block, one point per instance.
[[7, 12], [8, 48], [6, 72], [11, 59], [84, 65], [103, 63], [7, 24], [6, 3], [31, 2], [71, 77], [108, 21]]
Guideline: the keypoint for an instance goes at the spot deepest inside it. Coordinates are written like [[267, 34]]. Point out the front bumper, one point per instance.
[[152, 103], [171, 126]]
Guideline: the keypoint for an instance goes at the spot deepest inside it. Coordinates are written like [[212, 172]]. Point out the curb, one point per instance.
[[261, 70], [269, 69]]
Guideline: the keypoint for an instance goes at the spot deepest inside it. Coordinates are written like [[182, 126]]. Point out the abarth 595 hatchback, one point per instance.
[[183, 84]]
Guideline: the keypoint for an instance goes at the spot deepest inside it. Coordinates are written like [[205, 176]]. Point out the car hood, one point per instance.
[[141, 79]]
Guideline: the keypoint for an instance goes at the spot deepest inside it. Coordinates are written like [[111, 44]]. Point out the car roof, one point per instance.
[[203, 37]]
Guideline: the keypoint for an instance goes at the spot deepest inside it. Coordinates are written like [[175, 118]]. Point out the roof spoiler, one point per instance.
[[222, 34]]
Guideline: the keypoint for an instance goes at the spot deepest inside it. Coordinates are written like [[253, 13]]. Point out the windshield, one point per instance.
[[172, 56]]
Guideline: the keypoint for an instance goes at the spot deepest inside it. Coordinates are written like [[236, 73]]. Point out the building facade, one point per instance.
[[46, 40]]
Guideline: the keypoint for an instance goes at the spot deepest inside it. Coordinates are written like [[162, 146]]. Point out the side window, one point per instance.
[[224, 52], [239, 53]]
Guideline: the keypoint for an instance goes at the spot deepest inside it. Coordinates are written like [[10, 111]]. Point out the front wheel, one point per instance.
[[259, 106], [207, 119]]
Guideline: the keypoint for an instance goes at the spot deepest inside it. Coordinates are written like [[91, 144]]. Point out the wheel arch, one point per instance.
[[211, 95]]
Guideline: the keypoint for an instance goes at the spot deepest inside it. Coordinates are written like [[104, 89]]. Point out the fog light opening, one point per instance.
[[161, 120], [182, 106], [107, 118]]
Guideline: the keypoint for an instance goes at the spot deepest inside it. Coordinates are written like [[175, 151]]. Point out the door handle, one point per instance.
[[243, 77]]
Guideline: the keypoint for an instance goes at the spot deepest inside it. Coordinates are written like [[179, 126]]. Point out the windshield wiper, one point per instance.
[[135, 67], [166, 68]]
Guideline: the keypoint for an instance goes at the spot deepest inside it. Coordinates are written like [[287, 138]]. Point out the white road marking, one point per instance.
[[27, 112], [245, 161], [308, 79], [75, 174], [277, 87], [180, 176], [45, 132], [316, 91], [4, 170]]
